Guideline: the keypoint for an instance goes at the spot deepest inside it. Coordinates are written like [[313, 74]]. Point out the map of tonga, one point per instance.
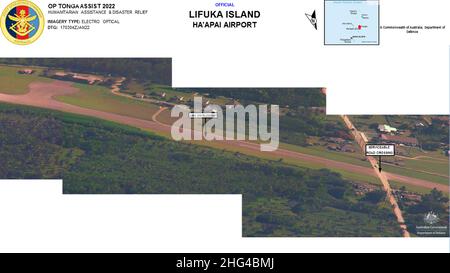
[[352, 22]]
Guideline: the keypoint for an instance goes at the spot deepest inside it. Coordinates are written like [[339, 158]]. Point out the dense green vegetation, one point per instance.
[[431, 137], [375, 196], [431, 131], [301, 106], [434, 202], [303, 117], [157, 70], [100, 98], [94, 156], [302, 114], [292, 97], [298, 124]]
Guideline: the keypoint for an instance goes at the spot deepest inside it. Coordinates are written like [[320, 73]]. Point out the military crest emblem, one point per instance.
[[431, 218], [22, 22]]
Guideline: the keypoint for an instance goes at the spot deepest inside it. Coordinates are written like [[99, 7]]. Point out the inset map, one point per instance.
[[350, 22]]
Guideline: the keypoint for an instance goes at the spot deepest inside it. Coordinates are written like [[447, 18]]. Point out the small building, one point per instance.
[[407, 141], [412, 197], [333, 147], [337, 140], [139, 95], [348, 148], [86, 78], [384, 128], [61, 74], [26, 71], [81, 78]]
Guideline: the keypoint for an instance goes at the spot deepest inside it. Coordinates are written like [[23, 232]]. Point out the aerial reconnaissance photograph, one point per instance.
[[109, 126]]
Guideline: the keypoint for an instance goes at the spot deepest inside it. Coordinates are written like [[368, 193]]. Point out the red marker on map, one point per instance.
[[359, 27]]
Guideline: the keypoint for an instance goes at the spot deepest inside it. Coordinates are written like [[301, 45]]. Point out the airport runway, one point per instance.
[[42, 95]]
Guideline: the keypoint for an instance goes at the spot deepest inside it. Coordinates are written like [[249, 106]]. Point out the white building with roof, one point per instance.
[[384, 128]]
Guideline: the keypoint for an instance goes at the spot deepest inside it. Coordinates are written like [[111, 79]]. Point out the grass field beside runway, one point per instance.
[[429, 165], [173, 93], [100, 98], [11, 82], [352, 158], [415, 168], [416, 174], [97, 157], [410, 188], [355, 177]]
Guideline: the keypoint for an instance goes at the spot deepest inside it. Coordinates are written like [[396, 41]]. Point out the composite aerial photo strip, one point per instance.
[[116, 126]]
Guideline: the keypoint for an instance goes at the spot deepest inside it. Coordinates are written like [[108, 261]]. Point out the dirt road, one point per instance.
[[42, 95], [382, 176]]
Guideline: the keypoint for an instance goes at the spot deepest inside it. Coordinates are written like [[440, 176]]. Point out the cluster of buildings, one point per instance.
[[26, 71], [401, 195], [401, 140], [76, 77], [392, 135], [362, 189], [81, 78], [66, 76], [407, 198], [340, 145]]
